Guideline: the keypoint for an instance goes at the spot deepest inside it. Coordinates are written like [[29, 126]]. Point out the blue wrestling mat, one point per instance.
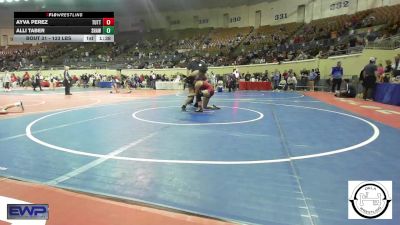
[[264, 158]]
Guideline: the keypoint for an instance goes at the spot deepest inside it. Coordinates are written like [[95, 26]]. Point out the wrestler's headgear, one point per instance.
[[203, 67]]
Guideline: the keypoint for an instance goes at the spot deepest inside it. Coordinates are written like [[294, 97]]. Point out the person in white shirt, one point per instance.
[[220, 85], [91, 80], [97, 79], [177, 79], [7, 80], [153, 80], [292, 82], [237, 76], [213, 79]]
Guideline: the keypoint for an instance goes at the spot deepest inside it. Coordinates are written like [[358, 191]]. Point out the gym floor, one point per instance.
[[263, 158]]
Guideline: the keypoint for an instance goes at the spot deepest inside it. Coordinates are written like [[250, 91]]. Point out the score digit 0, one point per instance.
[[108, 21], [108, 30]]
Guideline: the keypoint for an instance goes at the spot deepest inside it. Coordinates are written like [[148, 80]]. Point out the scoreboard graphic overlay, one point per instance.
[[64, 26]]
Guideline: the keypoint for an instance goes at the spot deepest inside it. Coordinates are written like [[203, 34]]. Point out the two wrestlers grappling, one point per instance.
[[199, 87]]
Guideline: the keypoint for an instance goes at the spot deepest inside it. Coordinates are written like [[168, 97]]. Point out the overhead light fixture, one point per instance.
[[16, 0], [9, 0], [1, 1]]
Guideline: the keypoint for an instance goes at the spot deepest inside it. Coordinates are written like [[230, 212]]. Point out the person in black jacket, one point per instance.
[[247, 77], [317, 79], [369, 79], [67, 81], [37, 81]]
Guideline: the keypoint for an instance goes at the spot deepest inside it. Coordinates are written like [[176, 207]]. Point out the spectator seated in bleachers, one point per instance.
[[320, 38], [282, 85]]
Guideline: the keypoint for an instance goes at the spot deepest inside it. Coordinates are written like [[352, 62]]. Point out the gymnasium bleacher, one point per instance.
[[160, 48]]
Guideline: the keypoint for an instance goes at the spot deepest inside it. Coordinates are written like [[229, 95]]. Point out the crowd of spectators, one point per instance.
[[218, 47], [307, 79]]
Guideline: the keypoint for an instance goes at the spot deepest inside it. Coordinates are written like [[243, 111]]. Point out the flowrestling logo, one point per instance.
[[370, 200]]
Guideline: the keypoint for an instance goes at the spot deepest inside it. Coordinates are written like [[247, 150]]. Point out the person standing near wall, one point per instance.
[[231, 81], [369, 79], [6, 81], [237, 78], [26, 81], [213, 79], [276, 78], [53, 82], [337, 75], [291, 82], [311, 78], [265, 76], [14, 80], [37, 81], [153, 79], [67, 81], [317, 78]]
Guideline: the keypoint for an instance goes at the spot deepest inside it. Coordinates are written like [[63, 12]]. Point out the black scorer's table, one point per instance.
[[64, 26]]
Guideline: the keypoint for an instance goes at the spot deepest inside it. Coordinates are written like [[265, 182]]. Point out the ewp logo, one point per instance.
[[5, 201], [27, 211]]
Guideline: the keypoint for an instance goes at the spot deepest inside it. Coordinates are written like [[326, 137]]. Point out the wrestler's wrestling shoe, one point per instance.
[[183, 108], [213, 107], [199, 110]]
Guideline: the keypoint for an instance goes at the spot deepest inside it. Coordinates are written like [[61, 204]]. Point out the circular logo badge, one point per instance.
[[370, 199]]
